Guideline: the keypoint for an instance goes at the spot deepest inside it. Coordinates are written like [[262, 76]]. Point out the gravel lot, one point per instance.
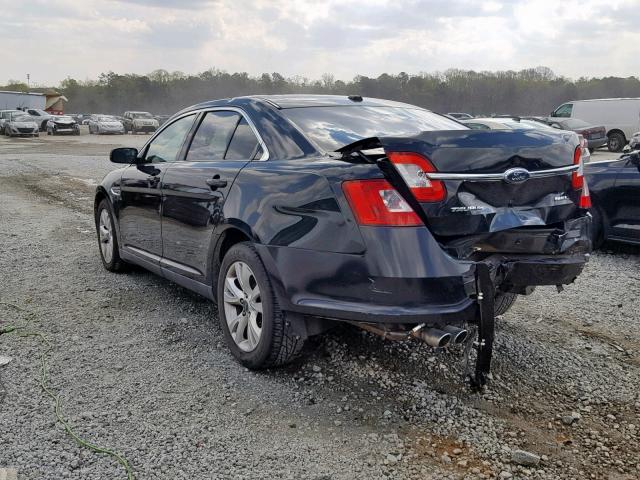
[[141, 367]]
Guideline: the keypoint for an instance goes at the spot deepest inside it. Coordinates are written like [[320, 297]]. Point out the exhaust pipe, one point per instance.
[[458, 335], [434, 337]]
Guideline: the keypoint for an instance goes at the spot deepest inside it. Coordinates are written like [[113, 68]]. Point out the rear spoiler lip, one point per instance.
[[496, 177]]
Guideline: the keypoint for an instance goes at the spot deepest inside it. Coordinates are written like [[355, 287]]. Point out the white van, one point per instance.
[[619, 116]]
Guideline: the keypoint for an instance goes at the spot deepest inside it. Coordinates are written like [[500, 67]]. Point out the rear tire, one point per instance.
[[255, 329], [503, 302], [616, 142]]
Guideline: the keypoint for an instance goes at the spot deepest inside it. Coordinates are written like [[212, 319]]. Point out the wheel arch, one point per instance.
[[617, 130], [232, 233]]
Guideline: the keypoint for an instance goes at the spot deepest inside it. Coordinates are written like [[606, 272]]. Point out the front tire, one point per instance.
[[255, 329], [616, 142], [107, 238]]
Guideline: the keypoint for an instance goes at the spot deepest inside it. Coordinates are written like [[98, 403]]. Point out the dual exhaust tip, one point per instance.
[[434, 337], [438, 338]]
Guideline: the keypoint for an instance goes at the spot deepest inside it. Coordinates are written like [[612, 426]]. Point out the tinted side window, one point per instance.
[[212, 137], [244, 145], [563, 110], [166, 146]]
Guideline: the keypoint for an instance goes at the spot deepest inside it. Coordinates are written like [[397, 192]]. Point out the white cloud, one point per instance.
[[53, 40]]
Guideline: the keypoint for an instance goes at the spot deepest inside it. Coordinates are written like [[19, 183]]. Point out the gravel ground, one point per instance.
[[141, 367]]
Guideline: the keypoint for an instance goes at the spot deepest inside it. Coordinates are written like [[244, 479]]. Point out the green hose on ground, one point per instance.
[[56, 398]]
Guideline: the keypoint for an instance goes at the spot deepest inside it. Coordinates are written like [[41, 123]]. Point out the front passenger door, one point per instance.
[[195, 190], [139, 214]]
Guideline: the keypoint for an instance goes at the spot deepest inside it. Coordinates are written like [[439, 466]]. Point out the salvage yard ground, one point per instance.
[[141, 367]]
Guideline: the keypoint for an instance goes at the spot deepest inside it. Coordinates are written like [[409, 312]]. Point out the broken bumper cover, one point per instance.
[[405, 276]]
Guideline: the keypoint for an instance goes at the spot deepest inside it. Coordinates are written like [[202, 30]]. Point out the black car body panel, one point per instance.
[[615, 192], [320, 260]]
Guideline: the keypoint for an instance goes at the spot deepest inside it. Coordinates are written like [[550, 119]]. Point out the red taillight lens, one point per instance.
[[585, 197], [376, 202], [413, 168], [577, 178]]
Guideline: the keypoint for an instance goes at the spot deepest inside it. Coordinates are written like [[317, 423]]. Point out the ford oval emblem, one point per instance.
[[516, 175]]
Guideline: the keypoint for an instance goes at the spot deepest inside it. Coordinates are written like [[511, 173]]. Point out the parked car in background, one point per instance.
[[62, 124], [162, 119], [293, 209], [594, 135], [103, 124], [460, 115], [20, 124], [505, 123], [619, 116], [40, 116], [634, 143], [4, 115], [135, 122], [615, 194]]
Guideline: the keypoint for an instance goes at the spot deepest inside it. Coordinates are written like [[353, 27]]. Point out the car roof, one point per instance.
[[301, 101]]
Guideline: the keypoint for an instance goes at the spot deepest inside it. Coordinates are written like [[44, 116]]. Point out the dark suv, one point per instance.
[[294, 211]]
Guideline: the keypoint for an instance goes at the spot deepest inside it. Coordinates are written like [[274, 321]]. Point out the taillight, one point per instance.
[[376, 202], [413, 168], [577, 178]]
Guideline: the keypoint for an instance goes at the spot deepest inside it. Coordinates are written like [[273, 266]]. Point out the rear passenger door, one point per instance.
[[195, 189]]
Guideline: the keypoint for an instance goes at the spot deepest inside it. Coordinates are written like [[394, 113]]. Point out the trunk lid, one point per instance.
[[493, 180]]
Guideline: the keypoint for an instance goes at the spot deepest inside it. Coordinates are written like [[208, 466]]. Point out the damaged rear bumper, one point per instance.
[[406, 277]]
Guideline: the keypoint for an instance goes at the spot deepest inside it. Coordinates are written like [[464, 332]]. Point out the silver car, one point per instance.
[[102, 124], [61, 124], [4, 115], [18, 124]]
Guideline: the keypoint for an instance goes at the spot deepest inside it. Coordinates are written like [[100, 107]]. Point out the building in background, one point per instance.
[[55, 102], [22, 100], [48, 100]]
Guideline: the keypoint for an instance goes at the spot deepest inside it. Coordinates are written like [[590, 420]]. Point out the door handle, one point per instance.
[[215, 183], [153, 180]]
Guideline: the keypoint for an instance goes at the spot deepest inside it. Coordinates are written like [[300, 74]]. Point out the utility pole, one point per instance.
[[28, 77]]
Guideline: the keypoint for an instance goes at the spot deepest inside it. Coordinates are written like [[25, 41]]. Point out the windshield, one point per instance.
[[516, 124], [21, 117], [331, 128], [63, 118], [537, 125], [105, 118], [141, 115]]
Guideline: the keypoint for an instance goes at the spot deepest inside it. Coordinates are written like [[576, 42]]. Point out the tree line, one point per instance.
[[534, 91]]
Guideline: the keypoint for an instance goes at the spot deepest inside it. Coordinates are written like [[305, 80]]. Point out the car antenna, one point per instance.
[[355, 98]]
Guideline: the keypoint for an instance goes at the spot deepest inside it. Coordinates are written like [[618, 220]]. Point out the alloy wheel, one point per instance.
[[243, 306], [105, 234]]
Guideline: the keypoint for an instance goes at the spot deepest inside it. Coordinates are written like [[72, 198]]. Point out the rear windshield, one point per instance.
[[331, 128]]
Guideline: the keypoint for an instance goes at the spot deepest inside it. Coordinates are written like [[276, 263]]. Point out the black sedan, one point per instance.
[[615, 192], [294, 211]]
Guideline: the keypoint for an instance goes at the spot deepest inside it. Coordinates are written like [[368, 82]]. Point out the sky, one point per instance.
[[53, 40]]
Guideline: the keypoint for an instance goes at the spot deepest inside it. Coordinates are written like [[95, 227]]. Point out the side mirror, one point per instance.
[[123, 155]]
